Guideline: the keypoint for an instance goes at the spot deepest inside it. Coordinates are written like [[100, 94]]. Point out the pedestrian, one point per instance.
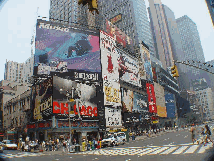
[[192, 130], [202, 136], [208, 134], [50, 144], [64, 146]]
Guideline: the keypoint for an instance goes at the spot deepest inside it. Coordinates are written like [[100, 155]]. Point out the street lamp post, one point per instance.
[[69, 108]]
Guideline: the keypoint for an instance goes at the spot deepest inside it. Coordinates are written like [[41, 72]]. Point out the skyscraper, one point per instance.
[[160, 33], [191, 45], [210, 4]]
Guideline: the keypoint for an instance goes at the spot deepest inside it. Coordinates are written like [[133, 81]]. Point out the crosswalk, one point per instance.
[[153, 150], [20, 155]]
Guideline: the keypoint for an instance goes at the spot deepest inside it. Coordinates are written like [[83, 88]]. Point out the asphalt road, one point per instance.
[[176, 145]]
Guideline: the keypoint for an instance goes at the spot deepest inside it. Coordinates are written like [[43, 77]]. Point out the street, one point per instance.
[[171, 145]]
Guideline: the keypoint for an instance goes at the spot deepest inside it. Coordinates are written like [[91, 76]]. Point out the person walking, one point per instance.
[[64, 146], [192, 130], [208, 134]]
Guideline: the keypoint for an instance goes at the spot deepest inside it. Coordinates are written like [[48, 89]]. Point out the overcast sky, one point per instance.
[[18, 18]]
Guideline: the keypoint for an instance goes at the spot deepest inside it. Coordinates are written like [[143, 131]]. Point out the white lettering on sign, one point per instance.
[[86, 76], [48, 26]]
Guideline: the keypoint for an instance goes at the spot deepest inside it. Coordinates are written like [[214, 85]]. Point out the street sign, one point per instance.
[[11, 132]]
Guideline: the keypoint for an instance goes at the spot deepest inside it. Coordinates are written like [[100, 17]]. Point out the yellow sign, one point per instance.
[[123, 129], [155, 122], [161, 111], [72, 131], [71, 112], [71, 100], [116, 19]]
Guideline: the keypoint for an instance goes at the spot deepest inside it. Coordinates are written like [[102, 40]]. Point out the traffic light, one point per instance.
[[92, 5], [174, 71]]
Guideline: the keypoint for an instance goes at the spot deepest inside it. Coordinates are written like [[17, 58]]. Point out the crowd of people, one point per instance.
[[205, 135]]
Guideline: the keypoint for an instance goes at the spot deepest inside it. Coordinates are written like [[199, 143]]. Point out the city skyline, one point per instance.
[[17, 31]]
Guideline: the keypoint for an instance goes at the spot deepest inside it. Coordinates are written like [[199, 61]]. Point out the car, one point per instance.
[[1, 147], [121, 137], [109, 140], [8, 144]]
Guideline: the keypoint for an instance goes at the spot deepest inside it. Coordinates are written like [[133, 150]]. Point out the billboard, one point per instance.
[[42, 100], [161, 111], [120, 37], [145, 56], [151, 98], [110, 73], [113, 117], [170, 105], [140, 103], [127, 99], [84, 94], [116, 19], [131, 119], [128, 69], [59, 49]]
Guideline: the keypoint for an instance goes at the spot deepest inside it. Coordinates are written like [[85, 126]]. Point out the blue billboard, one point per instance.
[[62, 48], [170, 105]]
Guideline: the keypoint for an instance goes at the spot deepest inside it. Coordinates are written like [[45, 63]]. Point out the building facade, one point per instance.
[[191, 46], [205, 99]]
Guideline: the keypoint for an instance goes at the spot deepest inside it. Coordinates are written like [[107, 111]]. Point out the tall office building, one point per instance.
[[191, 46], [160, 33], [142, 24], [210, 5], [69, 12]]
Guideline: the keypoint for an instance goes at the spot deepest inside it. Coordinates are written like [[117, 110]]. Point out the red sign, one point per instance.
[[151, 98], [31, 126], [62, 108]]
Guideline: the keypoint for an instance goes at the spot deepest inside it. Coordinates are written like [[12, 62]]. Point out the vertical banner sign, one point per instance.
[[145, 56], [170, 105], [151, 98], [110, 73]]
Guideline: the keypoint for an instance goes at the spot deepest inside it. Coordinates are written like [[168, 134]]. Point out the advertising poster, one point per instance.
[[42, 100], [127, 100], [59, 48], [113, 117], [151, 98], [84, 94], [145, 56], [140, 103], [170, 105], [128, 69], [154, 74], [120, 37], [161, 111], [110, 73]]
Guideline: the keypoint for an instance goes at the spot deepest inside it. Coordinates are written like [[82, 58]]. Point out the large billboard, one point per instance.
[[42, 100], [170, 105], [145, 56], [128, 69], [60, 48], [85, 95], [151, 98], [110, 73], [127, 99]]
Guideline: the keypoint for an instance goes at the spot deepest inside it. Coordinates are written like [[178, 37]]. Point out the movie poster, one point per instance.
[[42, 100]]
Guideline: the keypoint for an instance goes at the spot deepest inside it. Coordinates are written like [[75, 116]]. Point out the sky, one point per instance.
[[18, 19]]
